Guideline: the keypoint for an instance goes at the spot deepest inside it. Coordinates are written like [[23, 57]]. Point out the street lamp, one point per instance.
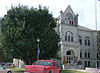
[[38, 40]]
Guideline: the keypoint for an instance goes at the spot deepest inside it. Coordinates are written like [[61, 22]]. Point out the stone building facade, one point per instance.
[[78, 43]]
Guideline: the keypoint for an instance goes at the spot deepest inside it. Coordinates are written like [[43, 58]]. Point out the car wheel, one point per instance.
[[60, 71], [9, 72], [50, 72]]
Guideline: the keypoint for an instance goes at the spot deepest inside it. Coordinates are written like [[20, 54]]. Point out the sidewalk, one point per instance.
[[90, 70]]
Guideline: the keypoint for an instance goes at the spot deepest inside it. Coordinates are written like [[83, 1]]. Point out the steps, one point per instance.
[[73, 66]]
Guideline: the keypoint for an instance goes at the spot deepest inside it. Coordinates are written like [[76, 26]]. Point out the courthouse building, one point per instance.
[[78, 43]]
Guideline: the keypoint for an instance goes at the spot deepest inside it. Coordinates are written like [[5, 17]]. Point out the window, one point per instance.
[[72, 39], [88, 63], [72, 22], [69, 18], [85, 63], [68, 60], [88, 55], [68, 53], [69, 22], [85, 55], [80, 39], [69, 36], [44, 63], [97, 63], [87, 41], [97, 55], [80, 54], [66, 38], [1, 68]]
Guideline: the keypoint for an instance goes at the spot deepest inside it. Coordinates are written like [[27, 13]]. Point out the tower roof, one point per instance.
[[69, 10]]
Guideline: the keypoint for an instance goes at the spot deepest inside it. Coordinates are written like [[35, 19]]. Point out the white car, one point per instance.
[[8, 65], [4, 70]]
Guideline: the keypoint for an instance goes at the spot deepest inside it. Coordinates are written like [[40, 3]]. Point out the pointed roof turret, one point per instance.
[[69, 10], [61, 11]]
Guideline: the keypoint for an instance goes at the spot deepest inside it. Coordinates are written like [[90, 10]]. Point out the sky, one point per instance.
[[84, 8]]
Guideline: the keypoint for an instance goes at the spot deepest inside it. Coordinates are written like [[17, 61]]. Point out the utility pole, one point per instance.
[[38, 41]]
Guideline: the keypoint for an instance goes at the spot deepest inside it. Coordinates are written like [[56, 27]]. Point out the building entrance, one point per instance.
[[70, 57]]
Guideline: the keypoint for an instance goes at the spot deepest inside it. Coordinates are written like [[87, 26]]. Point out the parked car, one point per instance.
[[9, 65], [4, 70], [43, 66], [2, 63]]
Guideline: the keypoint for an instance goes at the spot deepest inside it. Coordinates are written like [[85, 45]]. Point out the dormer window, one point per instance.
[[69, 18]]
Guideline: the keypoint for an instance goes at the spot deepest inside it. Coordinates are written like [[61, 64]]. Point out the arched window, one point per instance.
[[69, 36], [80, 39], [68, 53], [69, 18], [87, 41]]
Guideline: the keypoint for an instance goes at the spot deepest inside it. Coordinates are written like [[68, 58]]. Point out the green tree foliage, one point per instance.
[[22, 26], [3, 55]]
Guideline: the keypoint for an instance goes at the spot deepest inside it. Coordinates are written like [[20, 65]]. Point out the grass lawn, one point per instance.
[[17, 70], [71, 71], [21, 70]]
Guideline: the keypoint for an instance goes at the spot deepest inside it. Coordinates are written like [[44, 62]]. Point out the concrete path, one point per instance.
[[90, 70]]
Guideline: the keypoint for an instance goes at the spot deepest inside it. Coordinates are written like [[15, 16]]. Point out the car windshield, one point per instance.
[[44, 63], [1, 68]]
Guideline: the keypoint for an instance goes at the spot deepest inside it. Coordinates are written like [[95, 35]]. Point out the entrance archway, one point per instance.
[[70, 56]]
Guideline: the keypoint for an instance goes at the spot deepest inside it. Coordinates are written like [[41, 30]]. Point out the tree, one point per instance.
[[22, 26], [3, 54]]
